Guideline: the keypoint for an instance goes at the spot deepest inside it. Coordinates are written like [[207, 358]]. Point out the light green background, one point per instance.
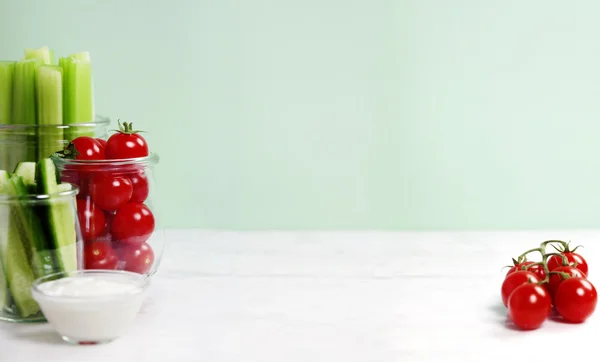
[[416, 114]]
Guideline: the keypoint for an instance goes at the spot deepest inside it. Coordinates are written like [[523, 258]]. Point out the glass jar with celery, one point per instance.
[[44, 104]]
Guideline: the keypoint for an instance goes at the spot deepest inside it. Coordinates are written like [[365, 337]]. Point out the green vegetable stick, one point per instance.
[[44, 53], [85, 56], [78, 102], [7, 70], [49, 100], [23, 108]]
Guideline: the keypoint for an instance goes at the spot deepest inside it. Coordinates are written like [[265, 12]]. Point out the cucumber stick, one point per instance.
[[27, 171], [4, 220], [31, 230], [59, 218], [14, 253], [49, 101]]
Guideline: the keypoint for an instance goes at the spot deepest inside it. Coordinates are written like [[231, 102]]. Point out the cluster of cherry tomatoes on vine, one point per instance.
[[559, 280], [114, 219]]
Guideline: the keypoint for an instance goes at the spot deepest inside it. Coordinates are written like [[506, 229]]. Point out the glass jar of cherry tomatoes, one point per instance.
[[116, 202]]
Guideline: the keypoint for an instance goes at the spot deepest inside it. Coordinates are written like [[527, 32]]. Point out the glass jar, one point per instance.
[[19, 142], [117, 212], [32, 247]]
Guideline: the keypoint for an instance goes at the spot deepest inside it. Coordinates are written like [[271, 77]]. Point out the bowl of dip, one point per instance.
[[90, 306]]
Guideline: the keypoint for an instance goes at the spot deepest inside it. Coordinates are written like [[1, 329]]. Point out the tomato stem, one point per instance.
[[562, 274], [126, 127], [523, 256], [545, 243], [563, 247], [69, 152]]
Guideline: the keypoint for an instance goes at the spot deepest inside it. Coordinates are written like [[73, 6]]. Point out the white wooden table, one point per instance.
[[328, 296]]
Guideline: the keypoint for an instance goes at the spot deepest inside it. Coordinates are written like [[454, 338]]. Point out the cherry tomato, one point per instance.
[[536, 269], [84, 185], [555, 261], [514, 280], [101, 142], [575, 299], [88, 148], [528, 306], [556, 279], [110, 192], [138, 258], [126, 143], [106, 236], [91, 219], [140, 187], [132, 224], [100, 255], [108, 215]]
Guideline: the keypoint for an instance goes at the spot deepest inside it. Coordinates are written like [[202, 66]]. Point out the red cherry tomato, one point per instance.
[[528, 306], [126, 143], [140, 187], [88, 148], [536, 269], [106, 236], [100, 255], [575, 300], [132, 224], [138, 258], [556, 279], [110, 192], [101, 142], [514, 280], [91, 219], [574, 259], [84, 185]]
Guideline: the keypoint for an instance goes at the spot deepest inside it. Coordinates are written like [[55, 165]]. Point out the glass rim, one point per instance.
[[141, 281], [152, 159], [41, 197], [98, 121]]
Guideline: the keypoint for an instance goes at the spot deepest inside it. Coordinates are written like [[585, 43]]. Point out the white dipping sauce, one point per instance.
[[87, 286], [89, 307]]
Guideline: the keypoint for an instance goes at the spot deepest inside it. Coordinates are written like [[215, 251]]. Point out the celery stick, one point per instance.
[[49, 93], [23, 108], [78, 102], [85, 56], [7, 70], [49, 98], [44, 53], [23, 111]]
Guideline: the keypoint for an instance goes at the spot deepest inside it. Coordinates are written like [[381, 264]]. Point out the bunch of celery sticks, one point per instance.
[[38, 90]]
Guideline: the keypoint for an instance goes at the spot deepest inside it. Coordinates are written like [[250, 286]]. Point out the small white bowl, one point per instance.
[[90, 306]]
